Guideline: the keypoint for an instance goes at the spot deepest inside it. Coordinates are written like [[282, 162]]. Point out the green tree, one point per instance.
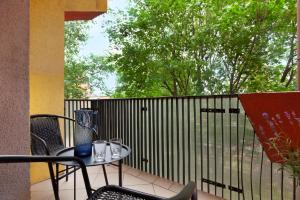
[[83, 75], [253, 35], [192, 47]]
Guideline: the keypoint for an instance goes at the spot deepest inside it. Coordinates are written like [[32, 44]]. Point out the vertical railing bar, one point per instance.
[[127, 127], [261, 171], [272, 181], [177, 132], [251, 166], [137, 121], [65, 121], [124, 136], [110, 133], [201, 142], [162, 137], [281, 188], [238, 149], [103, 119], [119, 118], [294, 186], [76, 107], [195, 139], [215, 145], [114, 117], [131, 131], [141, 134], [189, 139], [207, 143], [145, 142], [150, 135], [167, 138], [230, 146], [118, 110], [242, 158], [108, 114], [111, 120], [106, 119], [157, 137], [172, 138], [153, 136], [183, 140], [222, 132], [134, 132], [69, 115]]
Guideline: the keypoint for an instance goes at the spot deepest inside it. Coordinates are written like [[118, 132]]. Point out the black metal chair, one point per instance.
[[106, 192], [46, 139]]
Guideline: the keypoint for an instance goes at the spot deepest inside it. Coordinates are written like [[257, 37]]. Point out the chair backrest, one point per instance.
[[45, 130]]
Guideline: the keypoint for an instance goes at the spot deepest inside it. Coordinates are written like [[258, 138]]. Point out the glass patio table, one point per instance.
[[90, 161]]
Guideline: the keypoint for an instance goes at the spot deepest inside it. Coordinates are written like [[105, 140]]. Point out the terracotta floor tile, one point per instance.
[[163, 183], [42, 186], [147, 177], [162, 192], [143, 188], [41, 195], [134, 172], [176, 187], [133, 180]]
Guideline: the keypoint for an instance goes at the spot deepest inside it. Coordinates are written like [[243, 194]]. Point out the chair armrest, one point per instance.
[[188, 192], [49, 159], [50, 115], [43, 142]]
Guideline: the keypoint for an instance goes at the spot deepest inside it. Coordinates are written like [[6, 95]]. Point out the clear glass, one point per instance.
[[116, 147], [99, 150]]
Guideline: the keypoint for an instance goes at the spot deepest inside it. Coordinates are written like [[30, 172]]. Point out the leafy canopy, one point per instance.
[[192, 47]]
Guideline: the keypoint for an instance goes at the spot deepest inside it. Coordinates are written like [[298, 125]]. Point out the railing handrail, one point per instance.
[[161, 97]]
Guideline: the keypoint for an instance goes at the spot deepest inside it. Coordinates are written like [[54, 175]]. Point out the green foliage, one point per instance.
[[82, 75], [192, 47]]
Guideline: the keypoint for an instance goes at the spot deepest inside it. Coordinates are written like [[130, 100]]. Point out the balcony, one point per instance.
[[206, 139]]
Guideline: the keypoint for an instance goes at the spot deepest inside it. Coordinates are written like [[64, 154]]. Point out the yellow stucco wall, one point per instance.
[[46, 65], [47, 59]]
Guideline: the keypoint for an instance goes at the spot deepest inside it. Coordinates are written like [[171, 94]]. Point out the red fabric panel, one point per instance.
[[273, 114], [72, 16]]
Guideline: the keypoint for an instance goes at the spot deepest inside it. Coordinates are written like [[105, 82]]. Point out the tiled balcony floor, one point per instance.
[[132, 178]]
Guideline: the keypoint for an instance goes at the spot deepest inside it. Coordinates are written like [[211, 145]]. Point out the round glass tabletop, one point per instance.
[[89, 160]]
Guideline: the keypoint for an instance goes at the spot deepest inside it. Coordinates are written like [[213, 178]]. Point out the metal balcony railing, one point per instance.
[[207, 139]]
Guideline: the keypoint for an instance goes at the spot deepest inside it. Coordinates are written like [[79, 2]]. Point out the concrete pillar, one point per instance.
[[14, 98]]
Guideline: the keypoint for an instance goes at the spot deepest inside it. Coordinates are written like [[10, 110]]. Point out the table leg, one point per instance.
[[74, 184], [120, 173], [105, 175]]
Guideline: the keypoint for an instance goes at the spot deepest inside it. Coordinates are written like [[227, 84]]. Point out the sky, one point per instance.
[[98, 40]]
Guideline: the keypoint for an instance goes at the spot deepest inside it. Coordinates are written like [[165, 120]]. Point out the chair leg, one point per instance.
[[57, 177], [67, 173], [53, 181], [195, 195], [105, 175]]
